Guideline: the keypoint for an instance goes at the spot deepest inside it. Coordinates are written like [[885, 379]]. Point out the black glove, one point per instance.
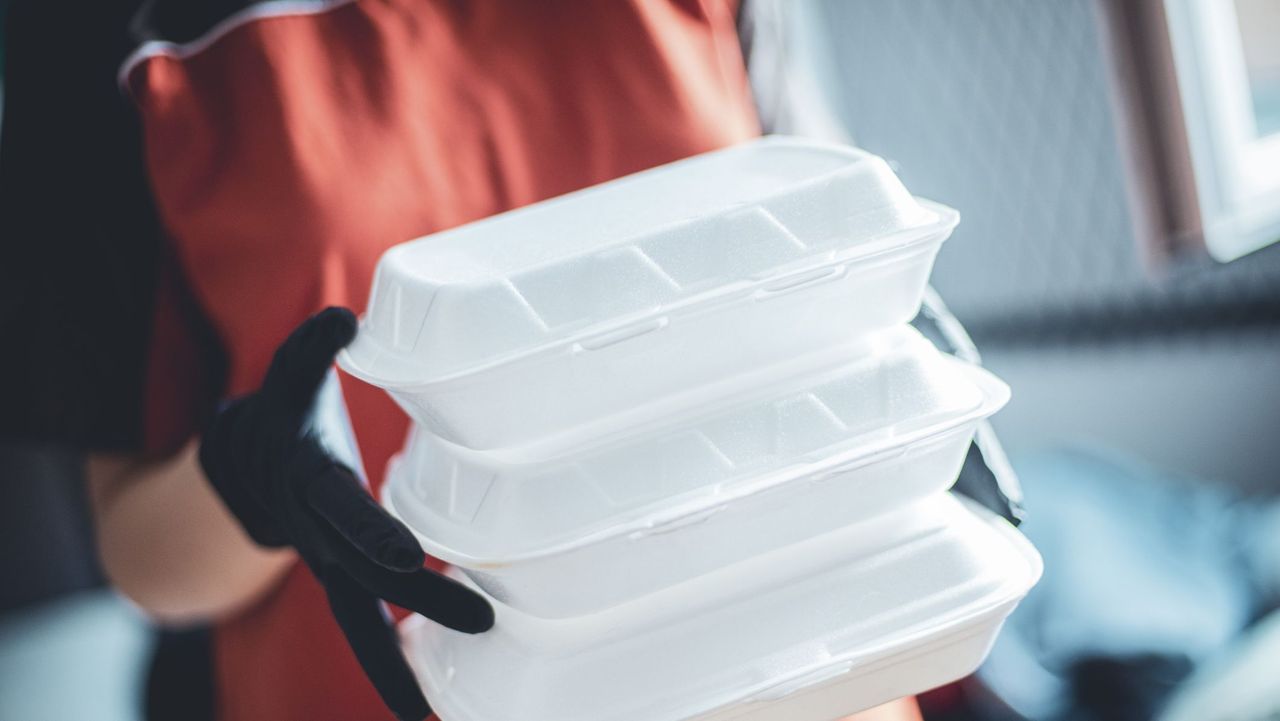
[[286, 490]]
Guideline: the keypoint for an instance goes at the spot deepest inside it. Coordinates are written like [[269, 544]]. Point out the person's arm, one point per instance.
[[108, 353], [167, 542]]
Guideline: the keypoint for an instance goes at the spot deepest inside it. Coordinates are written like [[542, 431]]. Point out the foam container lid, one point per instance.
[[823, 413], [653, 244], [886, 607]]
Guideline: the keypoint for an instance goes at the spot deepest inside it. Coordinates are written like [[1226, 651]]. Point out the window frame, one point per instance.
[[1237, 173]]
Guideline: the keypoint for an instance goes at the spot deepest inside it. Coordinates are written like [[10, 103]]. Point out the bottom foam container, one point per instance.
[[887, 607]]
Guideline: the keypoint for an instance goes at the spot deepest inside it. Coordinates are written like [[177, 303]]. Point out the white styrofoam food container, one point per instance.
[[530, 323], [884, 608], [868, 427]]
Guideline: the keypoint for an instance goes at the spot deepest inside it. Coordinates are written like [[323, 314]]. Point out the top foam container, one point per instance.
[[584, 308]]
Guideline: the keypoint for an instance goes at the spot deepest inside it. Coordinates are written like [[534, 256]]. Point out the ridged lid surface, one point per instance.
[[842, 408], [647, 244]]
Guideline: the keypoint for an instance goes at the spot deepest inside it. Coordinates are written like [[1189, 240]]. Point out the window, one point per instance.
[[1198, 96], [1226, 56]]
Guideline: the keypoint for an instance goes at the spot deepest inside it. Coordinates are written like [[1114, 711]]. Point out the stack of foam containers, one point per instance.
[[677, 428]]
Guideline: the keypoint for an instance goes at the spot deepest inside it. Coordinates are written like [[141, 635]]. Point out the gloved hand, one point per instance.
[[286, 490]]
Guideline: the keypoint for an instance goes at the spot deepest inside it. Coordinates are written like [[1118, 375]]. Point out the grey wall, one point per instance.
[[1203, 409], [1001, 108]]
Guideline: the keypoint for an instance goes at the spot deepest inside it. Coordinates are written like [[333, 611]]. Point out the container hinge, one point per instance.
[[660, 527], [800, 281], [799, 683], [618, 335]]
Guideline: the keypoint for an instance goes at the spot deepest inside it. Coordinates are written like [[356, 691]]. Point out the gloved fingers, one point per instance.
[[424, 592], [440, 599], [339, 498], [376, 647], [300, 364]]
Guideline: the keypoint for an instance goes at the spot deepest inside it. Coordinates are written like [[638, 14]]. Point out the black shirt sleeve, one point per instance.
[[79, 237]]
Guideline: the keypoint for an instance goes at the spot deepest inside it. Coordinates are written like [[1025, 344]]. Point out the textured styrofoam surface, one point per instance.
[[874, 426], [891, 388], [890, 606], [643, 286]]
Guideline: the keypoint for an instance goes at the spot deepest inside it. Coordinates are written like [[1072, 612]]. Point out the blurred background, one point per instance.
[[1117, 167], [1079, 139]]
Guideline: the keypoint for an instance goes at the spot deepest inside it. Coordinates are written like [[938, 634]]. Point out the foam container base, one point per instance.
[[867, 430], [884, 608]]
